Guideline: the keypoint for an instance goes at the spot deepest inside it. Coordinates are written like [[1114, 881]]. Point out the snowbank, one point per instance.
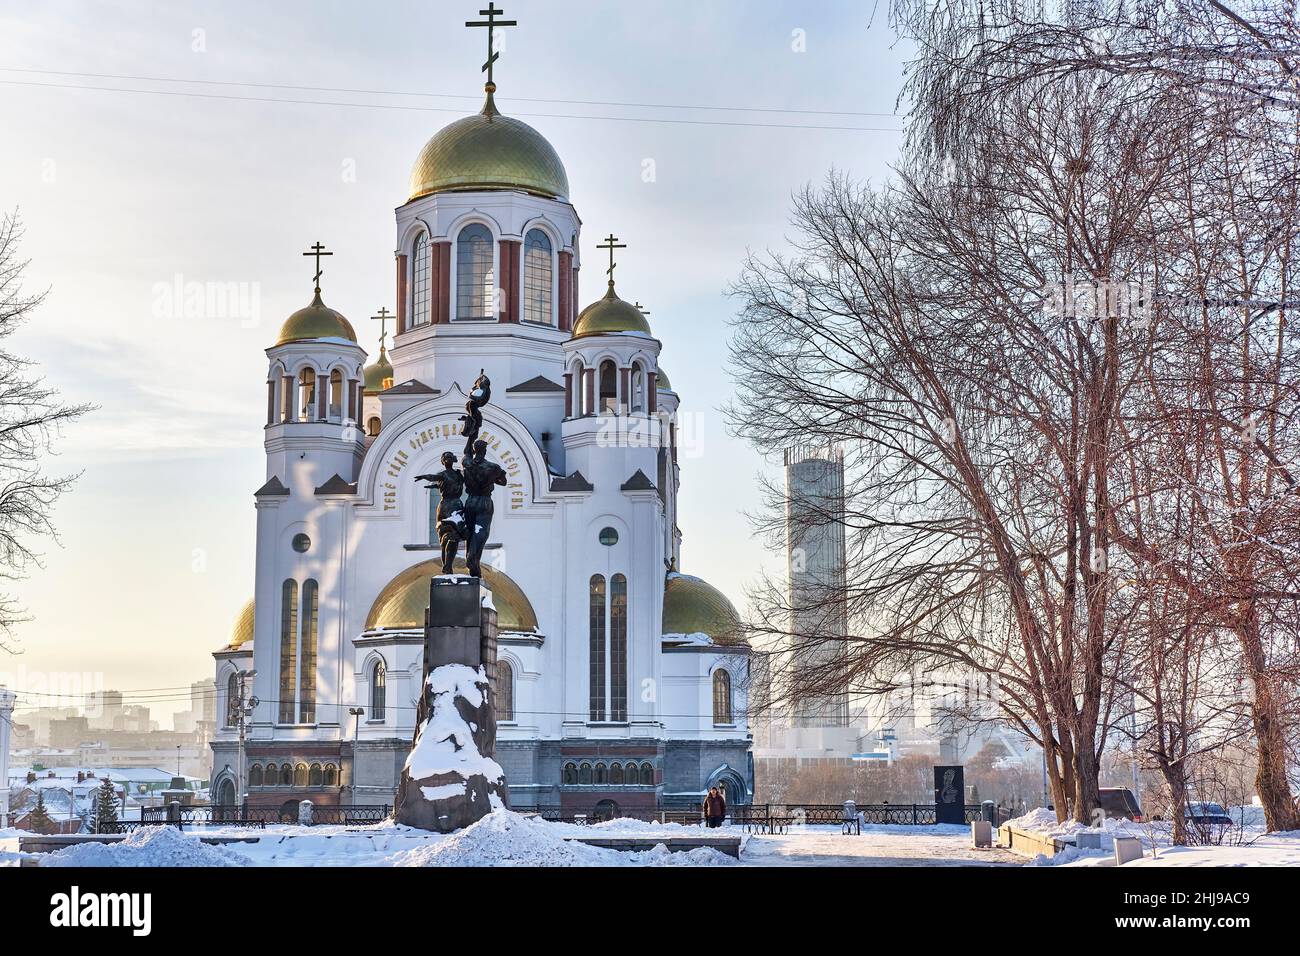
[[147, 846], [504, 838]]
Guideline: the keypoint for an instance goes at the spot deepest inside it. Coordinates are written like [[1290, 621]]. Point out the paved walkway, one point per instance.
[[877, 846]]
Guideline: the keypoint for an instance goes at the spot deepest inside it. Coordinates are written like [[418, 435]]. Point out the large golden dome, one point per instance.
[[316, 321], [694, 606], [402, 602], [610, 315], [243, 630], [489, 151]]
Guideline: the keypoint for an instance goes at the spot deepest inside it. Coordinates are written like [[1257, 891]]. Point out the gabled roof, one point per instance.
[[337, 486], [272, 487], [638, 482], [538, 383], [412, 387], [574, 482]]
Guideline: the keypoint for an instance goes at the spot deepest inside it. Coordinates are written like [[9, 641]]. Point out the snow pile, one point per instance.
[[1043, 820], [147, 846], [504, 838], [446, 742]]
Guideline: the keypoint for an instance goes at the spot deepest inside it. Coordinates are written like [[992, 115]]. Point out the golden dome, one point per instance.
[[661, 381], [402, 602], [489, 151], [694, 606], [316, 321], [608, 316], [379, 374], [243, 630]]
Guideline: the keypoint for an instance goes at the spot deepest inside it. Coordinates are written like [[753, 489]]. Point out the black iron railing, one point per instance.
[[261, 816]]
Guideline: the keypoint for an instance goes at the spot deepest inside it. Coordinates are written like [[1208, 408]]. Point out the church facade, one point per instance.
[[620, 683]]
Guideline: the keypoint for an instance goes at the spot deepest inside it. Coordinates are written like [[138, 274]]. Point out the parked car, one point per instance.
[[1208, 814], [1120, 804]]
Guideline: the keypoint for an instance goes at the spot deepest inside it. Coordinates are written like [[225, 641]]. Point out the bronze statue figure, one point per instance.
[[480, 394], [480, 477], [451, 510]]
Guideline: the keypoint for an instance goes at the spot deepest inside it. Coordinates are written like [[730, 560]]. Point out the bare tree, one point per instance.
[[30, 417]]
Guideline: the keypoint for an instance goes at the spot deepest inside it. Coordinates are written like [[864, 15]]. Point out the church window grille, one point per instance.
[[378, 691], [618, 648], [647, 775], [538, 277], [584, 774], [307, 687], [420, 281], [597, 627], [300, 775], [570, 774], [331, 775], [602, 774], [306, 395], [608, 399], [475, 281], [616, 775], [286, 775], [721, 697], [255, 775], [505, 690], [288, 650], [630, 774], [315, 775]]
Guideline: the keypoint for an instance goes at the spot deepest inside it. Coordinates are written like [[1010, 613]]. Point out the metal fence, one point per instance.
[[247, 816], [777, 817]]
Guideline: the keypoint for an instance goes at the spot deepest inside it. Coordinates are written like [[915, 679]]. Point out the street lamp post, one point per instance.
[[242, 709]]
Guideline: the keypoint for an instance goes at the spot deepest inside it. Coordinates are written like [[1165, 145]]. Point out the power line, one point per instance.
[[451, 96], [446, 109]]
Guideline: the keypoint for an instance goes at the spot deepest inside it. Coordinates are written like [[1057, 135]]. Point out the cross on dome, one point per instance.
[[491, 23], [317, 251], [611, 243], [382, 318]]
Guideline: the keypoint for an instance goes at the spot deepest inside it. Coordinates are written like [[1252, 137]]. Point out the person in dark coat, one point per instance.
[[715, 807]]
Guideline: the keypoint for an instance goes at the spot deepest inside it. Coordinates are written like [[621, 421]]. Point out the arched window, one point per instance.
[[299, 775], [315, 775], [602, 774], [616, 774], [232, 701], [597, 645], [331, 775], [570, 774], [647, 775], [505, 690], [272, 775], [255, 775], [577, 404], [584, 773], [608, 385], [638, 388], [475, 281], [721, 697], [630, 774], [378, 690], [372, 426], [618, 648], [306, 395], [538, 278], [420, 281], [336, 396], [288, 650], [286, 775], [307, 689]]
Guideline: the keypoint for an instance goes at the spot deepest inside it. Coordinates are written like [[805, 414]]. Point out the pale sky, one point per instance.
[[125, 192]]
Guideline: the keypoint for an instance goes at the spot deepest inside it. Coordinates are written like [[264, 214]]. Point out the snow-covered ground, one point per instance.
[[879, 845]]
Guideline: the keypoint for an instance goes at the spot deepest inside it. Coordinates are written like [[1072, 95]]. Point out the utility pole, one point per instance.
[[242, 709], [6, 723]]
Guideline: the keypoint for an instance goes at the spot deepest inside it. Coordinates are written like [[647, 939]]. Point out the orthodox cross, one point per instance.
[[382, 318], [637, 305], [317, 251], [611, 243], [491, 23]]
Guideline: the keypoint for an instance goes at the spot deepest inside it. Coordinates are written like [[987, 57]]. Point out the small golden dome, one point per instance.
[[661, 381], [489, 151], [610, 315], [243, 630], [402, 601], [379, 374], [694, 606], [316, 321]]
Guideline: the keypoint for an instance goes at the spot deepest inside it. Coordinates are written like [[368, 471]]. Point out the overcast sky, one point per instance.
[[126, 193]]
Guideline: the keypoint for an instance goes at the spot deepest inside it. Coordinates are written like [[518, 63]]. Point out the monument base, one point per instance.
[[450, 779]]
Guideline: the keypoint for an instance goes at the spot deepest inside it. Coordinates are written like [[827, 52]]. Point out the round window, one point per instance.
[[608, 537], [301, 543]]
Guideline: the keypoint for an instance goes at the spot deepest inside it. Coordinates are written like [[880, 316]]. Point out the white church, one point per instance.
[[620, 682]]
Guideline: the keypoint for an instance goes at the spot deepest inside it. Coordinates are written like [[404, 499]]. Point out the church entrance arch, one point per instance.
[[605, 810]]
